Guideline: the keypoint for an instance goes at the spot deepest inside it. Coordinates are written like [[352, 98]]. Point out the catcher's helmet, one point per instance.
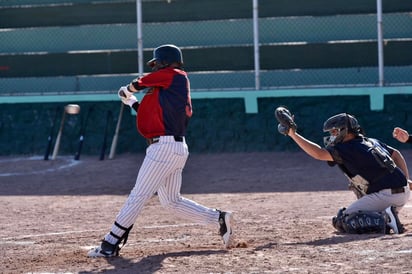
[[343, 123], [166, 55]]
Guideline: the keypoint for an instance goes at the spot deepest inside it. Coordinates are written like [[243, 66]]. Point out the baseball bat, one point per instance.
[[50, 137], [116, 133], [82, 133], [103, 150], [69, 109], [58, 138]]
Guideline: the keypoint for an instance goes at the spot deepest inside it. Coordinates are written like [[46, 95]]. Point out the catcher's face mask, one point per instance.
[[336, 135], [337, 126]]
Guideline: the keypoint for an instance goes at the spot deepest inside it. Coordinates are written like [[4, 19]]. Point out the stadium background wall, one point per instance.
[[218, 125]]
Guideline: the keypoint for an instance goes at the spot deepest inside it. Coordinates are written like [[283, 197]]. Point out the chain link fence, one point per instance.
[[91, 46]]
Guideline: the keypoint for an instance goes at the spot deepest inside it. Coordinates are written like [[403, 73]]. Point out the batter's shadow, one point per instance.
[[150, 264]]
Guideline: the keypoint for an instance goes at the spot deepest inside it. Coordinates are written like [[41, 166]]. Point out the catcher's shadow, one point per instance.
[[152, 263], [340, 238]]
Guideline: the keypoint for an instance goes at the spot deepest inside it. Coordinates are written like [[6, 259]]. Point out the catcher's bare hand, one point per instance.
[[285, 119], [400, 134]]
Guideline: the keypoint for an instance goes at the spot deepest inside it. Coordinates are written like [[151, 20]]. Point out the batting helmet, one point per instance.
[[344, 123], [165, 55]]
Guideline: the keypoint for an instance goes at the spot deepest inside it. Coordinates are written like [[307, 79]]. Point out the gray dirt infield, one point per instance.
[[52, 212]]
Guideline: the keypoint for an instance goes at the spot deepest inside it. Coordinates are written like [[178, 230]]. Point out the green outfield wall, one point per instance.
[[218, 124]]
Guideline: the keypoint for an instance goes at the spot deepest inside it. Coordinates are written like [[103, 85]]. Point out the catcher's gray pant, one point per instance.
[[379, 201], [161, 172]]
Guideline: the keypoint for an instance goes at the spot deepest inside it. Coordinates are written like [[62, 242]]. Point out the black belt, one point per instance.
[[398, 190], [157, 139]]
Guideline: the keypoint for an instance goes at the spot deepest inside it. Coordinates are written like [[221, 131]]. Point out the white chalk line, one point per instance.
[[28, 236], [368, 252], [71, 163], [17, 242], [50, 272], [144, 240]]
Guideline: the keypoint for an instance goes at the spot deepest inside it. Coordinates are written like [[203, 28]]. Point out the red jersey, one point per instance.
[[166, 107]]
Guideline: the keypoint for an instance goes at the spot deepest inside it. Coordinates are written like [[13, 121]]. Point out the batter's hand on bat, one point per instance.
[[124, 93], [126, 96]]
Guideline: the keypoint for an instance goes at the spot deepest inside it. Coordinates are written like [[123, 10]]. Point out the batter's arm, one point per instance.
[[311, 148], [160, 78], [135, 86]]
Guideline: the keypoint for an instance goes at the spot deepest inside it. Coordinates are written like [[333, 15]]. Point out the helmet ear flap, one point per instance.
[[348, 124], [352, 124]]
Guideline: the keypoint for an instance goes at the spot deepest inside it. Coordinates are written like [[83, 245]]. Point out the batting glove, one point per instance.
[[130, 101], [124, 92]]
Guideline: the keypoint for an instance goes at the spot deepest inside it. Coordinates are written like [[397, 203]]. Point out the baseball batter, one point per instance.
[[377, 173], [162, 118]]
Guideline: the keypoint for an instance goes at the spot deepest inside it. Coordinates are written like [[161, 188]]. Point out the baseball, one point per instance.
[[72, 109]]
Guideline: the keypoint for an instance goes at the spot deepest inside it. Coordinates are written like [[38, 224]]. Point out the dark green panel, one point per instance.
[[30, 126], [182, 10], [105, 62], [342, 55], [398, 53], [57, 64], [227, 58], [319, 56], [77, 14], [218, 125], [269, 8]]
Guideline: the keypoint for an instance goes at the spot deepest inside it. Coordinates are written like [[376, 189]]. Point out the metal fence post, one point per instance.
[[380, 41], [256, 43], [139, 36]]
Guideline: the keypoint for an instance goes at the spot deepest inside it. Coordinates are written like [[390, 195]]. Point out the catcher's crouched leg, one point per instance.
[[360, 222]]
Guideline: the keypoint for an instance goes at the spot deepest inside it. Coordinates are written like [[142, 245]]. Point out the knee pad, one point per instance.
[[364, 222], [337, 221]]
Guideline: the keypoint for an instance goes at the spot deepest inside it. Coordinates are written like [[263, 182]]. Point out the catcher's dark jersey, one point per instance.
[[371, 159], [166, 107]]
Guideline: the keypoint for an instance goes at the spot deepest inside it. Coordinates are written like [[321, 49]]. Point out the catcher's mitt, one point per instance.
[[285, 119]]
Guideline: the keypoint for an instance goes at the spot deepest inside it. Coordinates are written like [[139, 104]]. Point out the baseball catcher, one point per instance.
[[377, 172]]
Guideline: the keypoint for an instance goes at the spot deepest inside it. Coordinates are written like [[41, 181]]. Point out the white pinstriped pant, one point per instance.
[[161, 172]]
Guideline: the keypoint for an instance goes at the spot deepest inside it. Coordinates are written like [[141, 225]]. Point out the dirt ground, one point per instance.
[[53, 212]]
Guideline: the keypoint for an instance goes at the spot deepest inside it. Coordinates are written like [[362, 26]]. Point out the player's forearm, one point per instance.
[[311, 148], [135, 86], [400, 162]]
